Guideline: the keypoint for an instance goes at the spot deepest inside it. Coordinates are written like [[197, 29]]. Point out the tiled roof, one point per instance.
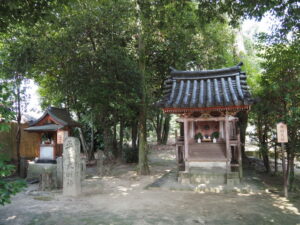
[[61, 116], [206, 88], [48, 127]]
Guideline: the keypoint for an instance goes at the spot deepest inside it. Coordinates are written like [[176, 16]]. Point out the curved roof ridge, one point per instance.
[[175, 72]]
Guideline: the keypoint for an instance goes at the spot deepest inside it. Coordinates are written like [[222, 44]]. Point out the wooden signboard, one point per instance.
[[61, 136], [282, 135]]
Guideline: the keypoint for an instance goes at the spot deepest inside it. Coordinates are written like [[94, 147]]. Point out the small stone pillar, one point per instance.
[[71, 167], [47, 181], [99, 162]]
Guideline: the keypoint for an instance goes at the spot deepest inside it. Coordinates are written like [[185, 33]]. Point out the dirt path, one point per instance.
[[122, 199]]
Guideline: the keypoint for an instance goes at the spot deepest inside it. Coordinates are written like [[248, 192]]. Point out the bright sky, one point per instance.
[[252, 27], [249, 28], [33, 107]]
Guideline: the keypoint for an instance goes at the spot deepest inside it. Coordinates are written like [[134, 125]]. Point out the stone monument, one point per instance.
[[71, 167]]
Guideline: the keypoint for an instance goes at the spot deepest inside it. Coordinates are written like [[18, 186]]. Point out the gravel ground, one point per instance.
[[121, 198]]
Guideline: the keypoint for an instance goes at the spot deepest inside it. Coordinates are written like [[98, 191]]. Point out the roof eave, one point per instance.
[[206, 109]]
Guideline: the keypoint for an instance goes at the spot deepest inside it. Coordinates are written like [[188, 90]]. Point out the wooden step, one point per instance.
[[207, 151]]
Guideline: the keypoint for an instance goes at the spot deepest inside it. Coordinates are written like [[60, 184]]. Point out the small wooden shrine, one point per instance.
[[207, 103], [53, 127]]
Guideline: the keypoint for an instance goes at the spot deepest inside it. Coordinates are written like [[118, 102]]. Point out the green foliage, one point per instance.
[[287, 12], [8, 187], [99, 74], [215, 134], [6, 114], [26, 13], [278, 96], [197, 136], [176, 38]]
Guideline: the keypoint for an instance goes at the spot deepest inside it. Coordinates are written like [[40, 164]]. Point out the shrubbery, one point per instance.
[[8, 187]]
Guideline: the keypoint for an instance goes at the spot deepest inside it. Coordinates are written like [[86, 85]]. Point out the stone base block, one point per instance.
[[196, 177], [208, 177], [36, 169], [233, 179]]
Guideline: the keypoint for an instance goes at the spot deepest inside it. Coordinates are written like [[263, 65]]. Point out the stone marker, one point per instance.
[[71, 167]]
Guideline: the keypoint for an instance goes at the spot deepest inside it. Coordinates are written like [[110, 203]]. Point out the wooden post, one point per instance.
[[282, 137], [186, 143], [228, 153], [239, 154], [176, 151], [284, 172]]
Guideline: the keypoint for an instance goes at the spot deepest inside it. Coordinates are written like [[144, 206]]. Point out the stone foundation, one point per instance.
[[205, 165], [208, 177]]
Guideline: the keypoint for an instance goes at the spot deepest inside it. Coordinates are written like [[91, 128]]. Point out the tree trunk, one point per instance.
[[91, 152], [115, 142], [292, 171], [263, 146], [265, 156], [288, 165], [291, 158], [107, 140], [121, 138], [276, 158], [166, 129], [134, 134], [143, 168], [19, 117], [83, 143], [158, 127]]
